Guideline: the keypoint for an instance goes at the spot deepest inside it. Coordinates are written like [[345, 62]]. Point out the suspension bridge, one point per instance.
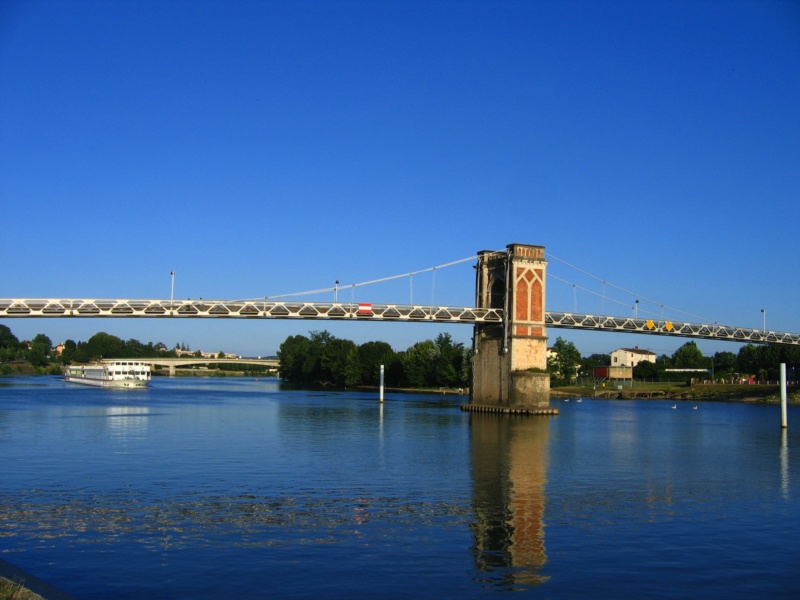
[[509, 320], [250, 309]]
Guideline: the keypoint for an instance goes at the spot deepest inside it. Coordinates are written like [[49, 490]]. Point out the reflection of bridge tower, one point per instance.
[[510, 359], [509, 466]]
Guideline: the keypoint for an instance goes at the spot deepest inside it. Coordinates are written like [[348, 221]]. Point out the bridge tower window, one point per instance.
[[497, 295]]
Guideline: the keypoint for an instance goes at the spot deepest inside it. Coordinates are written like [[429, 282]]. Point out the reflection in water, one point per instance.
[[127, 422], [195, 520], [784, 464], [509, 470], [306, 495]]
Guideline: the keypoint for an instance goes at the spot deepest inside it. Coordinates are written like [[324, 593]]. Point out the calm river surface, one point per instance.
[[212, 488]]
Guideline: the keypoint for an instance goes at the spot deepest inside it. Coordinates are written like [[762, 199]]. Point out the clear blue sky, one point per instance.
[[264, 148]]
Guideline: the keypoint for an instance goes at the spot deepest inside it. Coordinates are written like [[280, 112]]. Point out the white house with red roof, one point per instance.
[[630, 357]]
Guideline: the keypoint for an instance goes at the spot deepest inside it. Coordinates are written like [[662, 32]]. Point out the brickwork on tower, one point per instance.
[[510, 359]]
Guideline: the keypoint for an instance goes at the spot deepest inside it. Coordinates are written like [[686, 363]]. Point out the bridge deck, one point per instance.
[[129, 308], [74, 307], [670, 328]]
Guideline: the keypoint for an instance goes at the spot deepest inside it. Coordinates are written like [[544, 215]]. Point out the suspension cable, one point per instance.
[[363, 283], [621, 289]]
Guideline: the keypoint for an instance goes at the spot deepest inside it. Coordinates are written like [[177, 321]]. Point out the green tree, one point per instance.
[[81, 353], [748, 362], [9, 344], [352, 372], [647, 370], [103, 345], [394, 371], [312, 363], [790, 355], [448, 360], [565, 360], [323, 358], [43, 342], [292, 356], [763, 361], [723, 363], [465, 374], [664, 361], [133, 349], [320, 358], [68, 355], [39, 353], [689, 356], [419, 364], [334, 360], [371, 356]]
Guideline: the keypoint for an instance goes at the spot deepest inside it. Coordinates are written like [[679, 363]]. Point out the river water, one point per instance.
[[217, 488]]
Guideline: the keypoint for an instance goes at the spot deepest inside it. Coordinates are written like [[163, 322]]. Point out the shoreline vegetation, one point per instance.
[[769, 393], [441, 366], [715, 392], [755, 393], [10, 590]]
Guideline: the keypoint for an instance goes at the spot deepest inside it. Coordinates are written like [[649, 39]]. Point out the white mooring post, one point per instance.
[[784, 425], [381, 384]]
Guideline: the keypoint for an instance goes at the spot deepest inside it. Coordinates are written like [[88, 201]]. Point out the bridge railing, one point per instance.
[[98, 307], [266, 309], [666, 327]]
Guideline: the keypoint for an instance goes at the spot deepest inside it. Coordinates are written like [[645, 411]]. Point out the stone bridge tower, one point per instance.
[[510, 359]]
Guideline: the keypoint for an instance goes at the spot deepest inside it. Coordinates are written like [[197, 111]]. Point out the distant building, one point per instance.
[[613, 373], [630, 357]]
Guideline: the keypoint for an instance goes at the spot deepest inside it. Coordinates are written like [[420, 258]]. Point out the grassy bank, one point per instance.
[[682, 391], [12, 591]]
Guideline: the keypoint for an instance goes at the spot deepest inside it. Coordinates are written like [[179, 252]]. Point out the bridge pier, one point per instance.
[[509, 371]]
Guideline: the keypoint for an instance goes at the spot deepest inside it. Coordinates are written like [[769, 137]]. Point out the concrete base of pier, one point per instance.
[[508, 410]]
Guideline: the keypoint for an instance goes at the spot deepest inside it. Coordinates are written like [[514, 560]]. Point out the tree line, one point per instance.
[[40, 355], [323, 359], [759, 361]]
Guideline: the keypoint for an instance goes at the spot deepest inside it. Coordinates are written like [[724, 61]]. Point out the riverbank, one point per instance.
[[403, 390], [766, 393], [16, 584]]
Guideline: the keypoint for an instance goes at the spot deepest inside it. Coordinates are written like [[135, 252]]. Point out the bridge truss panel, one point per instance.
[[138, 308], [670, 328], [91, 307]]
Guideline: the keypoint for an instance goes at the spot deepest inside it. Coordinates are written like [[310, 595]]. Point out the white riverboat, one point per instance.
[[110, 373]]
